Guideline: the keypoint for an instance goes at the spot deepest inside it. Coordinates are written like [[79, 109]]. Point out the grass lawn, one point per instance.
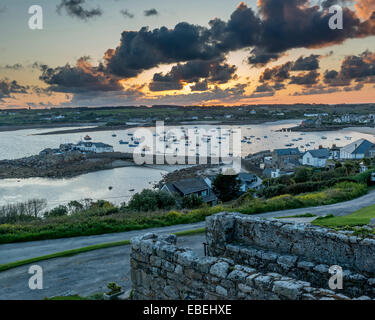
[[358, 218], [306, 215]]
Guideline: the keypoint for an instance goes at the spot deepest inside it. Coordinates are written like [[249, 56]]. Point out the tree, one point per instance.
[[192, 201], [150, 200], [57, 212], [303, 174], [226, 187]]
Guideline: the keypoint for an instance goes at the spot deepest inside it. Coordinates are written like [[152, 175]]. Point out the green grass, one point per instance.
[[358, 218], [99, 221], [306, 215], [73, 252]]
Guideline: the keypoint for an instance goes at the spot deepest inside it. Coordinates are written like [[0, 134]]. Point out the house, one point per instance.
[[357, 150], [249, 181], [316, 158], [187, 187], [335, 152], [286, 158], [96, 147]]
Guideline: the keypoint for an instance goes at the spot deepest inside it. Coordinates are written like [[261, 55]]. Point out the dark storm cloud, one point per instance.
[[200, 86], [74, 8], [306, 79], [127, 14], [259, 58], [145, 49], [360, 68], [151, 12], [8, 87], [215, 72], [276, 74], [306, 63], [279, 26], [77, 79]]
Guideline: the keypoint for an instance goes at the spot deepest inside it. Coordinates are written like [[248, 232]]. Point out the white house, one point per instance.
[[316, 158], [93, 147], [357, 150]]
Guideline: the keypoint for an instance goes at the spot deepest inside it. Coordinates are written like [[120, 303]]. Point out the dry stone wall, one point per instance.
[[160, 270], [299, 251]]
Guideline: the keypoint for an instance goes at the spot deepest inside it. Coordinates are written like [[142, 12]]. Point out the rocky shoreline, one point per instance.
[[64, 165]]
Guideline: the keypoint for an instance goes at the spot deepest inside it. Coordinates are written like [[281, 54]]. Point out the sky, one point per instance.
[[196, 52]]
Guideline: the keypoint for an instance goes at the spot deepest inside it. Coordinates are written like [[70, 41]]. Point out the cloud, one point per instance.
[[127, 14], [305, 79], [213, 71], [360, 68], [151, 12], [79, 79], [277, 74], [365, 8], [8, 87], [145, 49], [14, 67], [319, 89], [74, 8], [268, 33], [306, 63]]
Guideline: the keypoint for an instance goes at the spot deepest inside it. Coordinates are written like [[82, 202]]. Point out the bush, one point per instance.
[[57, 212], [226, 187], [150, 200], [192, 201]]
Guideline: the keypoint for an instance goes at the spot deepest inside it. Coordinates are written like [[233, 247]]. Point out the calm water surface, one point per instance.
[[16, 144]]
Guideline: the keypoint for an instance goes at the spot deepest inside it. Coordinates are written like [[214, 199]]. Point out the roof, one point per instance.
[[188, 186], [247, 177], [319, 153], [360, 146], [287, 152]]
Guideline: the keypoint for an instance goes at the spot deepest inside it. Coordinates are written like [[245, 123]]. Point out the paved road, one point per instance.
[[84, 274], [20, 251]]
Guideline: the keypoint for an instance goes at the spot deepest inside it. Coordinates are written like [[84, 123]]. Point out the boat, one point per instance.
[[87, 138]]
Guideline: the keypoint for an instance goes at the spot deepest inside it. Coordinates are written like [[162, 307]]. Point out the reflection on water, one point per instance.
[[16, 144], [92, 185]]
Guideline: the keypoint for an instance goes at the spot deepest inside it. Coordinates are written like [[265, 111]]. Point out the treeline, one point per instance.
[[311, 180]]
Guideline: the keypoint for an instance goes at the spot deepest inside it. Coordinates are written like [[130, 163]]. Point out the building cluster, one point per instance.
[[285, 161], [94, 147], [202, 186]]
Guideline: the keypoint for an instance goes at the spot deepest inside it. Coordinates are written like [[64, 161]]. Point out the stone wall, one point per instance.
[[161, 270], [299, 251]]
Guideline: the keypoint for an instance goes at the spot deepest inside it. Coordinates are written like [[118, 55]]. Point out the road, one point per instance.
[[84, 274], [21, 251]]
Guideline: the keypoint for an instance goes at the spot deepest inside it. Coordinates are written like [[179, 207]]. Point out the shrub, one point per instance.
[[226, 187], [192, 201], [150, 200], [57, 212]]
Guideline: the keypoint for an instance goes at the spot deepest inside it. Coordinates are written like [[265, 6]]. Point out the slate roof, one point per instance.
[[320, 153], [360, 146], [188, 186], [287, 152]]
